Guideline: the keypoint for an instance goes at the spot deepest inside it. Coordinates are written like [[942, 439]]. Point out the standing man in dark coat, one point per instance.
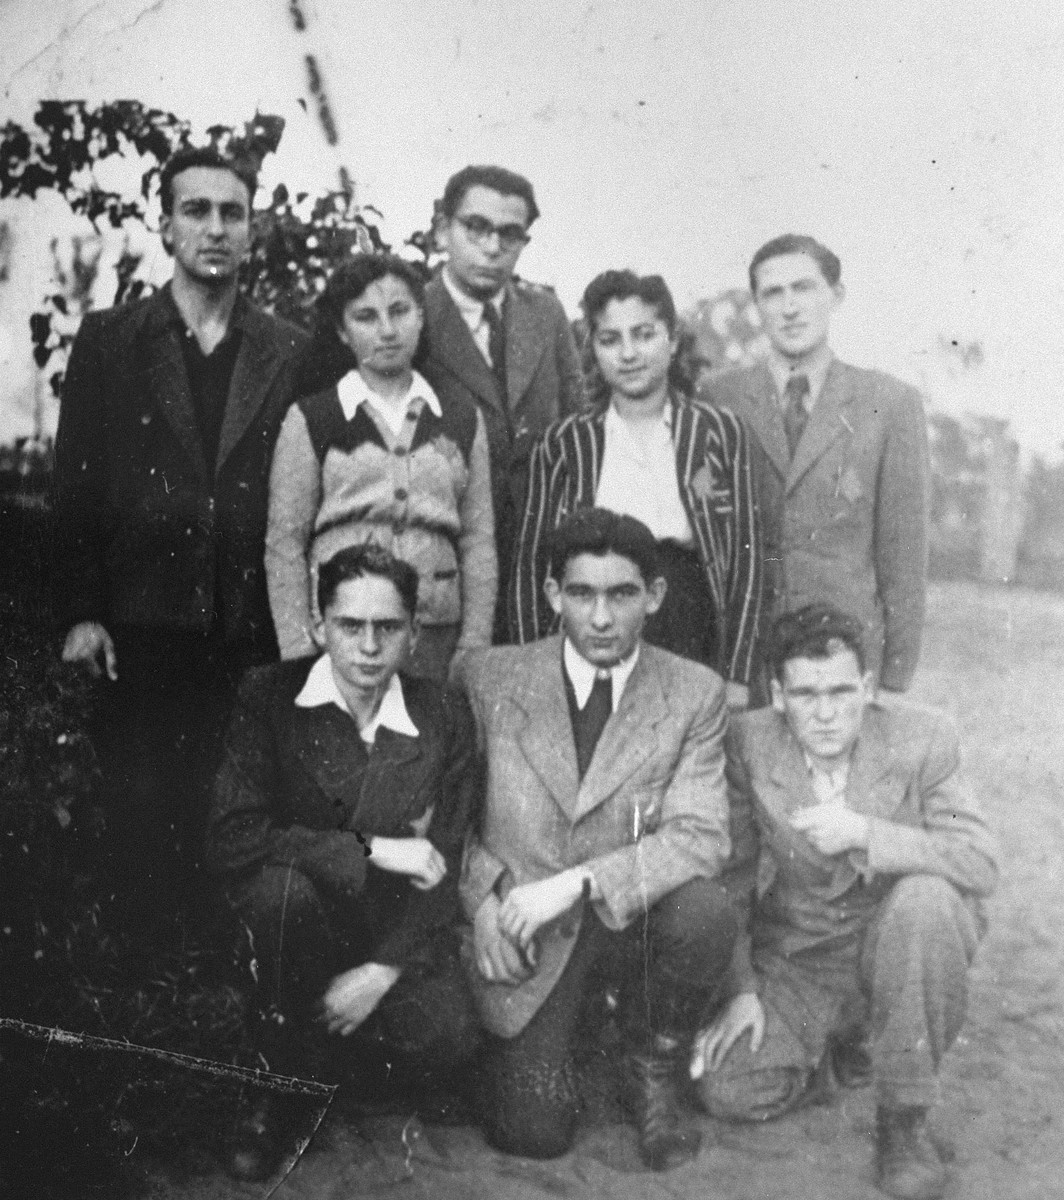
[[841, 464], [507, 344], [170, 409]]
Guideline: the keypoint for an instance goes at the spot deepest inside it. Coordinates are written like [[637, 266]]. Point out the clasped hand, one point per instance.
[[354, 994], [504, 932], [832, 828], [711, 1045], [413, 856]]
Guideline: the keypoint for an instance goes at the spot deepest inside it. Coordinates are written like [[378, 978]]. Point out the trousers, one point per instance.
[[902, 980], [665, 968], [299, 940]]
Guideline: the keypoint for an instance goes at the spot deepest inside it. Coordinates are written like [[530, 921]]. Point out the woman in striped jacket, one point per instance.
[[681, 468]]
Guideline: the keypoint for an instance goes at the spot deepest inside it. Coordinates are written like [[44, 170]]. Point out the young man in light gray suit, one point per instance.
[[873, 865], [507, 344], [603, 829], [840, 459]]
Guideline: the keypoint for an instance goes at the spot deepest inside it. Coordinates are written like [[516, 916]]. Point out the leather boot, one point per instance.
[[907, 1164], [664, 1139]]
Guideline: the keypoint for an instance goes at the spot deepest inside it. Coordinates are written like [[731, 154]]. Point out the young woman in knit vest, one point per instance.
[[382, 456]]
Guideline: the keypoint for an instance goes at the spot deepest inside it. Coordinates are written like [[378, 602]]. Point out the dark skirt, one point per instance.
[[685, 622]]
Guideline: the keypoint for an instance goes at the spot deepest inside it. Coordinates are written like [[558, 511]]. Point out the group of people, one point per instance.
[[576, 725]]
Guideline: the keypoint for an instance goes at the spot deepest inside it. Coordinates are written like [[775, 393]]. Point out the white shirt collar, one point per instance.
[[582, 674], [353, 391], [472, 310], [321, 688]]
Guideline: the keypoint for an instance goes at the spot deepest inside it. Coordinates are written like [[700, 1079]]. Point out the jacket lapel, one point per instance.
[[379, 793], [453, 348], [167, 380], [527, 337], [792, 790], [628, 740], [827, 422], [256, 365], [765, 418], [546, 737], [871, 788], [329, 750]]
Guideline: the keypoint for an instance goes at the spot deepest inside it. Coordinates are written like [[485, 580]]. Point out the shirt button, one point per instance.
[[399, 451], [401, 493]]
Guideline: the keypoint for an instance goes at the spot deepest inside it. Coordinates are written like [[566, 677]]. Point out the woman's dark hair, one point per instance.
[[354, 275], [329, 359], [624, 285]]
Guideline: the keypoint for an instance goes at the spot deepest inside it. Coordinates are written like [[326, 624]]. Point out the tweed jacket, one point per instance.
[[904, 775], [147, 531], [297, 787], [847, 521], [716, 490], [649, 815], [543, 377]]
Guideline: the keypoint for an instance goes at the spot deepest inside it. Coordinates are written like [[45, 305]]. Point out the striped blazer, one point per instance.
[[716, 489]]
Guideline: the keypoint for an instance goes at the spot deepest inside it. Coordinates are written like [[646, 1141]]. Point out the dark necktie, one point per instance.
[[496, 346], [589, 721], [794, 411]]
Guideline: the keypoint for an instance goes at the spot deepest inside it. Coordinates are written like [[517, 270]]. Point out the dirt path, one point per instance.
[[995, 659]]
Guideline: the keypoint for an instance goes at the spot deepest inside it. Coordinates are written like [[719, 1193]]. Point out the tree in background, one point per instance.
[[297, 239]]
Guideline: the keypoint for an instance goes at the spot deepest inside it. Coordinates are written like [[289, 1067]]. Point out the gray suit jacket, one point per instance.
[[649, 815], [543, 382], [846, 522], [904, 775]]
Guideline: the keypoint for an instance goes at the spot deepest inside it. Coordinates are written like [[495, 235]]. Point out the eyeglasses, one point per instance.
[[480, 230]]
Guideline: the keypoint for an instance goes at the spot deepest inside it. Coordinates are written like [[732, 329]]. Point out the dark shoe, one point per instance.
[[851, 1062], [664, 1141], [256, 1144], [907, 1164]]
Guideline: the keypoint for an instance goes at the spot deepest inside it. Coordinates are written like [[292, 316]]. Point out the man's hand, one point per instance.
[[736, 696], [711, 1046], [354, 994], [529, 907], [89, 643], [413, 856], [832, 828], [498, 959]]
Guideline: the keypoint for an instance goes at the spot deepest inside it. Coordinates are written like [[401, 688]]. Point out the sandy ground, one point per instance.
[[995, 659]]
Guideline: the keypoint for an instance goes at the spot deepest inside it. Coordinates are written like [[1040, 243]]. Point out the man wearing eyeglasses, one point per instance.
[[507, 343]]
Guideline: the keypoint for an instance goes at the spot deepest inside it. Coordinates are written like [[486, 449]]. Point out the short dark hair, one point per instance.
[[797, 243], [815, 631], [623, 285], [601, 531], [355, 274], [203, 156], [499, 179], [356, 562]]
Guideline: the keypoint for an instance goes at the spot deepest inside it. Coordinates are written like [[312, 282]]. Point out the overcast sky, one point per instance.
[[922, 140]]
